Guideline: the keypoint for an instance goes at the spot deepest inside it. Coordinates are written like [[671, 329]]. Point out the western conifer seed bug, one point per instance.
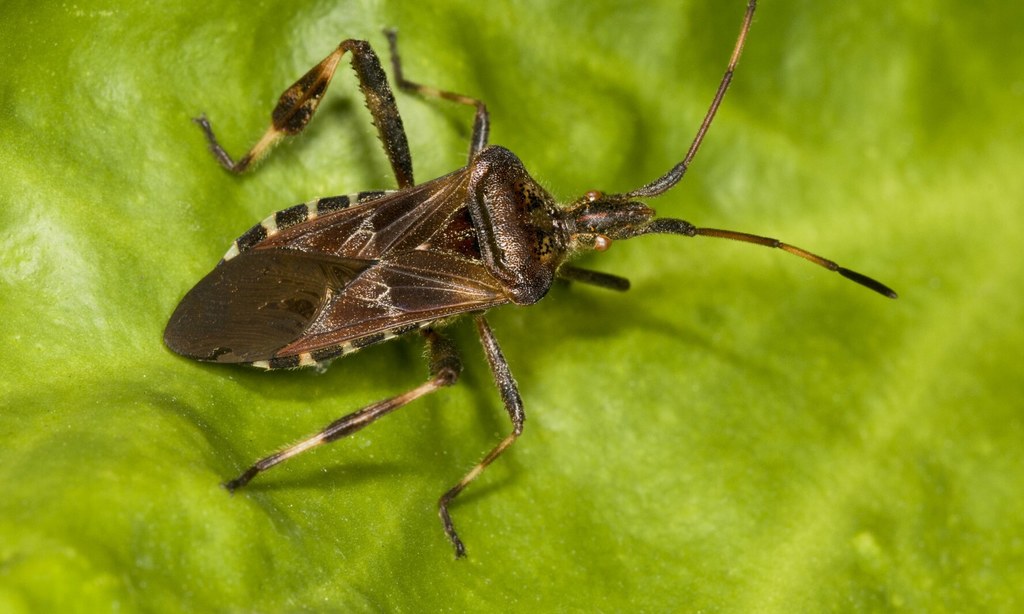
[[325, 278]]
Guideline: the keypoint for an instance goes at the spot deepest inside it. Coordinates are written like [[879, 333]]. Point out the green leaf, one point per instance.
[[739, 432]]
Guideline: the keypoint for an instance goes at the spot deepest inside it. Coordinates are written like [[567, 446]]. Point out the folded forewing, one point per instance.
[[248, 307], [397, 221], [407, 290]]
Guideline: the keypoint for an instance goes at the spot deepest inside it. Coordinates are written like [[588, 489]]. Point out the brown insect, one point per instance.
[[323, 279]]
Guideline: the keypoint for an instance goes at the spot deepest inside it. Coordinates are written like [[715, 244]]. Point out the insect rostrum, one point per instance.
[[322, 279]]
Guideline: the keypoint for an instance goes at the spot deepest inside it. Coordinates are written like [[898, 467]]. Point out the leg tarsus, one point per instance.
[[242, 164], [446, 522], [242, 480]]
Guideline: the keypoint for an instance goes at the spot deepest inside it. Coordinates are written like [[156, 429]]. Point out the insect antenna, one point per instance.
[[860, 278], [682, 227], [675, 174], [671, 178]]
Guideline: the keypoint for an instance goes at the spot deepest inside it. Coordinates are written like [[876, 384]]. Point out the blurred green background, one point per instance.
[[740, 432]]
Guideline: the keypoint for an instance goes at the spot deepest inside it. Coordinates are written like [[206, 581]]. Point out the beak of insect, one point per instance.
[[595, 220]]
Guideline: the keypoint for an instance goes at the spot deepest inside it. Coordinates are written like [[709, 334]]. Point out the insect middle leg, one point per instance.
[[445, 367], [299, 102], [481, 121], [513, 405]]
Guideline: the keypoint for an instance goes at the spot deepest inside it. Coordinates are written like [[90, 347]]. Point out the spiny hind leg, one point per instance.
[[299, 102]]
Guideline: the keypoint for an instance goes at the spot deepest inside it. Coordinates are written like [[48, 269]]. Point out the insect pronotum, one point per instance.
[[323, 279]]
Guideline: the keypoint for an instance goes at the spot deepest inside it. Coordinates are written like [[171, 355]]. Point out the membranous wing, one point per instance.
[[310, 284]]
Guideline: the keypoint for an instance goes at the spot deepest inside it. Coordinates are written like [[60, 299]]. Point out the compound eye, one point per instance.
[[602, 243]]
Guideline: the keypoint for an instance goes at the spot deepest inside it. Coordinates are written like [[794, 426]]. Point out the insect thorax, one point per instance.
[[522, 235]]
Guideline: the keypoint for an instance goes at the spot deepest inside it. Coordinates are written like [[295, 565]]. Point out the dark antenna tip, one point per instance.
[[682, 227], [867, 282]]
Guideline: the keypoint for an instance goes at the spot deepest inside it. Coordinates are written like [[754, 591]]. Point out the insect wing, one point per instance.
[[397, 295], [392, 223], [248, 307], [340, 281]]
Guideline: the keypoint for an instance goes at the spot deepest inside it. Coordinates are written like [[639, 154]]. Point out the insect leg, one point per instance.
[[299, 102], [513, 405], [445, 367], [481, 122], [594, 278]]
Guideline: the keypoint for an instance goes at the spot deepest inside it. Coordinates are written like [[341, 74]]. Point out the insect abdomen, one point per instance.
[[295, 215], [324, 355]]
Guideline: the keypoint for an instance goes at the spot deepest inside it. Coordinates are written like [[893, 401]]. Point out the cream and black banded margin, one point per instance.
[[316, 357], [297, 214]]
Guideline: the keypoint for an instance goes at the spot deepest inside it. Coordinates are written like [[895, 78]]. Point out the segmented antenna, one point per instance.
[[671, 178]]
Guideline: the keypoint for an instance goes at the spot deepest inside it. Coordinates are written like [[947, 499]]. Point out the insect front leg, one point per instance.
[[513, 405], [481, 122], [299, 102], [445, 367]]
